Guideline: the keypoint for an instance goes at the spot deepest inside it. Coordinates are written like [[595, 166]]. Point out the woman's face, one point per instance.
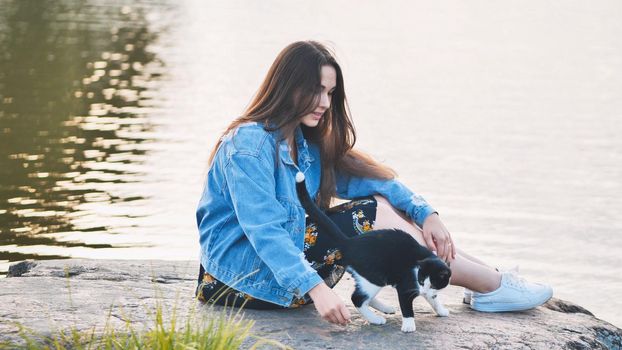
[[328, 80]]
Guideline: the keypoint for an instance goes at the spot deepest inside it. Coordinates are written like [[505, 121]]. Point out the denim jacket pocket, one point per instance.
[[292, 213], [263, 275]]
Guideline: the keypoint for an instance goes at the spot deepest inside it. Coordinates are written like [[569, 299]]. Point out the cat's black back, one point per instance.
[[384, 257]]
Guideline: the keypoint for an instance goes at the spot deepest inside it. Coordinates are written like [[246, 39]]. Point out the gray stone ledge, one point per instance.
[[59, 294]]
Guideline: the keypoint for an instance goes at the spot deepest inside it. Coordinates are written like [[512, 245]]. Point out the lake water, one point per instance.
[[506, 116]]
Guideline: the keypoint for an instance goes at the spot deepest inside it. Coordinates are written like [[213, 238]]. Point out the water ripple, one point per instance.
[[74, 122]]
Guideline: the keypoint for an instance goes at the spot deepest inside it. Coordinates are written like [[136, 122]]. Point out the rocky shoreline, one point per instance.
[[47, 296]]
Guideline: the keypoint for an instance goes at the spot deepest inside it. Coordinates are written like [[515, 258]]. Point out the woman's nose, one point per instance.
[[325, 101]]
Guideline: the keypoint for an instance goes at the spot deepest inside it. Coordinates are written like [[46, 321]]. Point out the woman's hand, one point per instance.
[[329, 305], [438, 239]]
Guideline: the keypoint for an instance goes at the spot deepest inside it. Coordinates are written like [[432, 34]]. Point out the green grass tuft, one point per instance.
[[214, 328]]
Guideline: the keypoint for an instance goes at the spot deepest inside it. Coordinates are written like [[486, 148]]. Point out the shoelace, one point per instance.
[[515, 280]]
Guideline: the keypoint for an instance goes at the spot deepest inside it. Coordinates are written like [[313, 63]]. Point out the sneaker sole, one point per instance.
[[495, 307]]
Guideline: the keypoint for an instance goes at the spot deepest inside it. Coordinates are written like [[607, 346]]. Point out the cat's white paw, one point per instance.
[[442, 312], [375, 319], [387, 309], [370, 316], [408, 324]]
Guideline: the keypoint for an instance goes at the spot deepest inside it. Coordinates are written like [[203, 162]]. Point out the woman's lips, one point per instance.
[[317, 115]]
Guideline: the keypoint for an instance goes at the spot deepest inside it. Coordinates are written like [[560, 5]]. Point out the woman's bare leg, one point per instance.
[[471, 257], [466, 271]]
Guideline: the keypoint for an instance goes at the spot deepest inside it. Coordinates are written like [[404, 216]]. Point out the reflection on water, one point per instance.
[[75, 86]]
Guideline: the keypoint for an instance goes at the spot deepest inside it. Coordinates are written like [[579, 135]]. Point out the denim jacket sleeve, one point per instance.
[[395, 192], [251, 183]]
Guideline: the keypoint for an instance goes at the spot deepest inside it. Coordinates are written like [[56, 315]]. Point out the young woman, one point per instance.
[[257, 249]]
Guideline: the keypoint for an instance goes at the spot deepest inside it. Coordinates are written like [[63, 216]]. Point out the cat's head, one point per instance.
[[433, 273]]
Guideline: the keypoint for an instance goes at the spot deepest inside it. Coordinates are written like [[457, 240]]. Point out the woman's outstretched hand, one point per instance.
[[438, 239], [329, 305]]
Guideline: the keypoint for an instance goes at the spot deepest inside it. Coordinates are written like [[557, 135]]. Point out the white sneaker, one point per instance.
[[467, 293], [514, 294]]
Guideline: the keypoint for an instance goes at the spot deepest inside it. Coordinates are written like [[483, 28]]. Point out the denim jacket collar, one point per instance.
[[304, 156]]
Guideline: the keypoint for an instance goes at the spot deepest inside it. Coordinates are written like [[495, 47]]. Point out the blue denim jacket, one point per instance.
[[251, 224]]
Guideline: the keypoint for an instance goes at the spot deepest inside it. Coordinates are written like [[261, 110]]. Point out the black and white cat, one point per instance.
[[380, 258]]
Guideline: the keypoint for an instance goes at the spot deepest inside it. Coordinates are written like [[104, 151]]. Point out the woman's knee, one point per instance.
[[381, 200], [385, 209], [387, 217]]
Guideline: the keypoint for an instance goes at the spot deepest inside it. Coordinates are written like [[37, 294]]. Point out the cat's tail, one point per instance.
[[317, 215]]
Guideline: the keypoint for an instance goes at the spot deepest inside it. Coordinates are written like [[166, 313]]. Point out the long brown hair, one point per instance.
[[290, 91]]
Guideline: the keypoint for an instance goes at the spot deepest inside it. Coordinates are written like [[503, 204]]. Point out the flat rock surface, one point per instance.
[[46, 296]]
